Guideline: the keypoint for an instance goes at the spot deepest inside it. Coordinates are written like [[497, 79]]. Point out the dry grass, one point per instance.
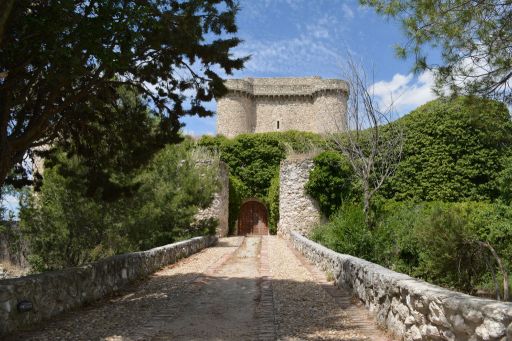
[[13, 270]]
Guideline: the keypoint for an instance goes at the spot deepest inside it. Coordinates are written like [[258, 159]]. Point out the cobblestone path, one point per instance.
[[253, 288]]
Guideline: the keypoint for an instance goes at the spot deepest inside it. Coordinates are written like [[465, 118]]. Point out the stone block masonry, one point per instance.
[[51, 293], [411, 308], [219, 208], [297, 210], [256, 105]]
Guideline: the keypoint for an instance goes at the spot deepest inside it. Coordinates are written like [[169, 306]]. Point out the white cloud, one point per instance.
[[348, 13], [260, 7], [404, 92], [315, 43], [288, 56]]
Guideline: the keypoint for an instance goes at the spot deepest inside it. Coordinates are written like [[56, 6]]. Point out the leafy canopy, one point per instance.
[[57, 55], [106, 145], [67, 226], [453, 151], [474, 37]]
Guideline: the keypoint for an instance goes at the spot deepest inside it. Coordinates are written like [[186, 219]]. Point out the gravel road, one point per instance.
[[252, 288]]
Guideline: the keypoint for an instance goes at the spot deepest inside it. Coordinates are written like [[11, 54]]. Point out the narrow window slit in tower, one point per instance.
[[277, 125]]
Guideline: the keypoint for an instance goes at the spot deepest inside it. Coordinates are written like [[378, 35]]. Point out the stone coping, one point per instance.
[[51, 293], [412, 308], [307, 86]]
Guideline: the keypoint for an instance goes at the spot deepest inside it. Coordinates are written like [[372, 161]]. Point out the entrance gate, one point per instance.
[[252, 219]]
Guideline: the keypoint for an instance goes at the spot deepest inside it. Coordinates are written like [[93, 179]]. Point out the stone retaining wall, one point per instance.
[[54, 292], [411, 308], [297, 210]]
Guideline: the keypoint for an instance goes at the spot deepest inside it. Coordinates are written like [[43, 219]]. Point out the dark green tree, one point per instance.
[[118, 138], [57, 55], [474, 36], [453, 150], [66, 225], [331, 181]]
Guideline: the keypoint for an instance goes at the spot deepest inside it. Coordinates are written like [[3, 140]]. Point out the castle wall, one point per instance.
[[327, 109], [304, 104], [235, 114], [219, 208], [292, 113]]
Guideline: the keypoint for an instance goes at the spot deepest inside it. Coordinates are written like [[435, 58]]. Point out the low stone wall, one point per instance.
[[411, 308], [51, 293]]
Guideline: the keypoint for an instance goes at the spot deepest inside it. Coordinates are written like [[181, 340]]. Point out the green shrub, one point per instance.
[[173, 187], [438, 242], [273, 204], [66, 226], [62, 224], [331, 182], [453, 151], [237, 193], [441, 242], [449, 255], [347, 233]]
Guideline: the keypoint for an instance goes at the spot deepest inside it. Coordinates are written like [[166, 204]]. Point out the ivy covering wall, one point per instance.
[[253, 161]]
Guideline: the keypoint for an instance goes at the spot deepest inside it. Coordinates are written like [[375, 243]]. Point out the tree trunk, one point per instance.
[[495, 280], [501, 267], [366, 208], [5, 162]]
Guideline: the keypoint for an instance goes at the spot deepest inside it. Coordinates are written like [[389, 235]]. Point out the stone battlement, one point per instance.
[[309, 86], [256, 105]]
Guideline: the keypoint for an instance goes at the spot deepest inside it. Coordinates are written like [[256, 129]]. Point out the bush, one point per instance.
[[253, 161], [438, 242], [66, 226], [331, 182], [453, 151], [449, 255], [347, 233], [173, 187], [63, 225], [441, 242], [273, 204]]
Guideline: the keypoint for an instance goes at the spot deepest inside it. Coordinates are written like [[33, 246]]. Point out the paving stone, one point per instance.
[[252, 288]]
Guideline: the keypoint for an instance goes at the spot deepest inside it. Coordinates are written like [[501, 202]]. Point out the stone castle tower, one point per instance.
[[255, 105]]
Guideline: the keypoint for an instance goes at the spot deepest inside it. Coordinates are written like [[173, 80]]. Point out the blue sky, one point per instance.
[[293, 38]]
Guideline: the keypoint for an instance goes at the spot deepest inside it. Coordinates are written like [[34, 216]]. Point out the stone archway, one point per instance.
[[253, 218]]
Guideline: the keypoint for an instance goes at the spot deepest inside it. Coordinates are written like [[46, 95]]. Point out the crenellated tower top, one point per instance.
[[270, 87], [255, 105]]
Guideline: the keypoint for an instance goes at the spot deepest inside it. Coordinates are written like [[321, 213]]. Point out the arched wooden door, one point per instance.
[[252, 219]]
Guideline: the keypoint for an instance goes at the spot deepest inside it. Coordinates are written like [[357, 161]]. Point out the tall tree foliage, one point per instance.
[[67, 226], [106, 143], [454, 150], [57, 55], [475, 38]]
